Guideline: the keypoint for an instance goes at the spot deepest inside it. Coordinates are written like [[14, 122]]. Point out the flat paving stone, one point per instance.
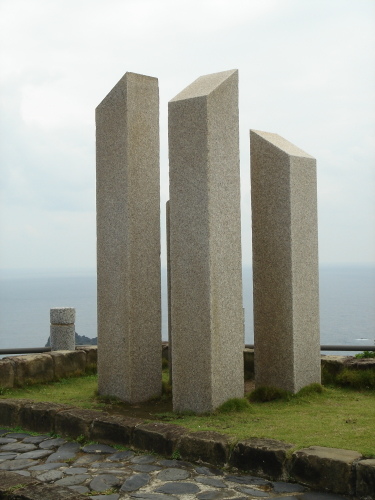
[[60, 456], [145, 468], [105, 465], [135, 482], [217, 495], [75, 470], [80, 489], [52, 443], [247, 480], [35, 439], [98, 448], [173, 474], [143, 459], [49, 466], [3, 431], [152, 496], [7, 440], [25, 473], [17, 464], [104, 482], [18, 447], [114, 496], [123, 473], [7, 456], [36, 454], [73, 480], [253, 492], [121, 455], [85, 460], [18, 435], [50, 476], [72, 447], [178, 488], [211, 481]]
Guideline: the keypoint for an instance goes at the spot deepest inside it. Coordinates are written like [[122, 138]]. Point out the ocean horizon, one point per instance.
[[347, 300]]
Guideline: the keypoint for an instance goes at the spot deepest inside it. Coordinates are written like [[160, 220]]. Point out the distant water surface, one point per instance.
[[347, 305]]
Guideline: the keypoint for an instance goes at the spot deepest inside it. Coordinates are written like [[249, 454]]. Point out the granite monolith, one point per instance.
[[205, 244], [285, 263], [128, 240]]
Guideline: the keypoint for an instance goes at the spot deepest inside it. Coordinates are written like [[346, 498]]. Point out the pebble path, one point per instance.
[[104, 472]]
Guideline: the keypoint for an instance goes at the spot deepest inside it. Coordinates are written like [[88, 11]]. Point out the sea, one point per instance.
[[347, 305]]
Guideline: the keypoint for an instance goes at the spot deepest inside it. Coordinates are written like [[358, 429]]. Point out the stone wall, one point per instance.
[[18, 371]]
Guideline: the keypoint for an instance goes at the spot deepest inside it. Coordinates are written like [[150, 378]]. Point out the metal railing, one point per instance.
[[357, 348]]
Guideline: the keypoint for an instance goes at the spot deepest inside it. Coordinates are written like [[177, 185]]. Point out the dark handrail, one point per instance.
[[359, 348], [336, 347]]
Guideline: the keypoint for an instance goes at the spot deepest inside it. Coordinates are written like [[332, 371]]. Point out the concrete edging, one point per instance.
[[330, 469]]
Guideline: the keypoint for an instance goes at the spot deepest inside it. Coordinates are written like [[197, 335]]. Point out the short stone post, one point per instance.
[[62, 329], [205, 244], [128, 240], [285, 263]]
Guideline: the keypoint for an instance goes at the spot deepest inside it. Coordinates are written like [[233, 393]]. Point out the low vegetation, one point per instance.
[[339, 417], [365, 354]]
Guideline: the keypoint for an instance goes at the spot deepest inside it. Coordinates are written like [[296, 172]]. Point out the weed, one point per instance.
[[164, 363], [81, 439], [365, 354], [176, 455], [120, 447], [234, 405], [14, 488]]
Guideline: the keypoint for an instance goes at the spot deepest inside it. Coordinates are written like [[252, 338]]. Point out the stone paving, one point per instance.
[[104, 472]]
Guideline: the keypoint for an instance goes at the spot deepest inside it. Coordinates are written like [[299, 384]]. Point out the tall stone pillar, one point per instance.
[[128, 240], [167, 215], [285, 263], [205, 244]]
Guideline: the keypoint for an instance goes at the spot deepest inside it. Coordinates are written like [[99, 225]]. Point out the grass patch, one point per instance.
[[266, 394], [338, 417], [234, 405], [357, 379]]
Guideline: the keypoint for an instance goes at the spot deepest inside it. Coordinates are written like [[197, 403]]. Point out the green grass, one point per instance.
[[79, 391], [338, 417]]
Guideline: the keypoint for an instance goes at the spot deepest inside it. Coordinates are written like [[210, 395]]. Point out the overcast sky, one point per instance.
[[306, 70]]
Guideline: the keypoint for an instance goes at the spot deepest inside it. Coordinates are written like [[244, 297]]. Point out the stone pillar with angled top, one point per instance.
[[128, 240], [205, 244], [285, 263]]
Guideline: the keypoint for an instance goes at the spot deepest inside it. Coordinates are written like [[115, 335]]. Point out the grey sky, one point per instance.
[[306, 69]]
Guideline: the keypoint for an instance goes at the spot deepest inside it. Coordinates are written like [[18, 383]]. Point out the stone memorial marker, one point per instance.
[[285, 263], [205, 244], [128, 240]]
